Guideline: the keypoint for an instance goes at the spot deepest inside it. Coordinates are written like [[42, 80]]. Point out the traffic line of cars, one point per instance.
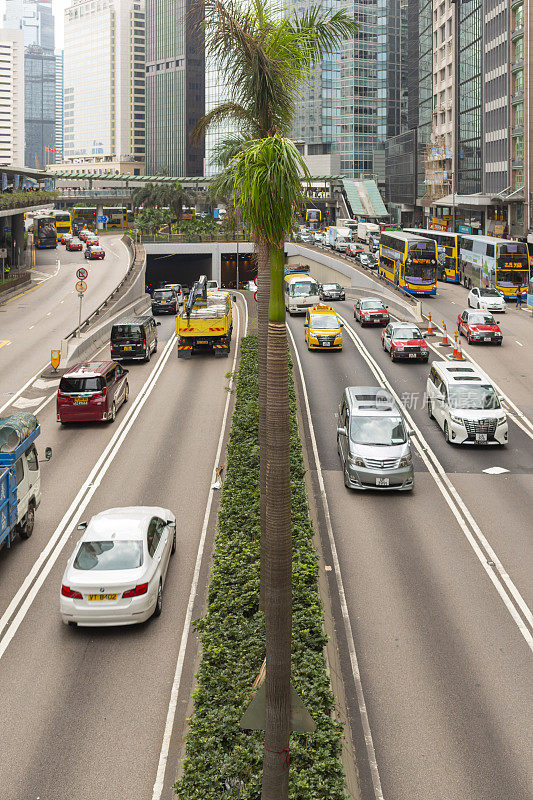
[[93, 249]]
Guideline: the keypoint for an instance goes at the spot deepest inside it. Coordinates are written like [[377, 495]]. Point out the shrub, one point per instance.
[[223, 761]]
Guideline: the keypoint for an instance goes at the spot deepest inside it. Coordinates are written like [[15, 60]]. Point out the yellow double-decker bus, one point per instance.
[[408, 261], [501, 263], [117, 217], [86, 217], [448, 268], [63, 222]]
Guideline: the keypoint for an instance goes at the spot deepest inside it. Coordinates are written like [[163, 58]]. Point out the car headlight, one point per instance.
[[458, 420], [398, 349], [502, 420], [338, 338], [357, 461], [406, 461]]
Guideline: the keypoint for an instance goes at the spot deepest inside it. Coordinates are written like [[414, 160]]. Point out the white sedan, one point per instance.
[[486, 299], [117, 572]]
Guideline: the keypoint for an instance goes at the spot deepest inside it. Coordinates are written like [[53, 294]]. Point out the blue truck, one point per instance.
[[20, 477]]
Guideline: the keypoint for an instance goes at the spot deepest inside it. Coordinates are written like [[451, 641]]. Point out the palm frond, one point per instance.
[[223, 113]]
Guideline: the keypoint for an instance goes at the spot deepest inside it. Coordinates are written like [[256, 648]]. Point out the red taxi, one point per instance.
[[92, 392], [371, 311], [65, 238], [404, 341], [479, 326], [84, 233], [92, 239], [94, 251], [74, 244]]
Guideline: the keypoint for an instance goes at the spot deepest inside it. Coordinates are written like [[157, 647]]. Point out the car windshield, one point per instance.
[[163, 295], [109, 555], [372, 304], [406, 333], [331, 287], [322, 322], [477, 398], [481, 319], [489, 293], [95, 248], [126, 332], [73, 385], [303, 289], [376, 431]]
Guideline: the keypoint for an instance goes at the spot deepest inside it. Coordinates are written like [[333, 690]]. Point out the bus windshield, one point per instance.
[[512, 277], [303, 288], [423, 273]]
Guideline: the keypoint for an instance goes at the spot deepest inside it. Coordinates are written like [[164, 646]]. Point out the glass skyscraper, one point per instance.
[[470, 87], [35, 19]]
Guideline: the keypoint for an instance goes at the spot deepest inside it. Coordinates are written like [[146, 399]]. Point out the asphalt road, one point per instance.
[[84, 712], [34, 321], [437, 586]]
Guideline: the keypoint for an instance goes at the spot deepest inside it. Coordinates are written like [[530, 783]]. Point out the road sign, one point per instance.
[[3, 253], [103, 218], [81, 287], [55, 358], [81, 273]]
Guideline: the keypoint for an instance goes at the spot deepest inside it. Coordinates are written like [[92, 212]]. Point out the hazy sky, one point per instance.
[[59, 6]]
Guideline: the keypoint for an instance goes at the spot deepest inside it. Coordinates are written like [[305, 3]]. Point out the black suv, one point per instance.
[[165, 300], [134, 338]]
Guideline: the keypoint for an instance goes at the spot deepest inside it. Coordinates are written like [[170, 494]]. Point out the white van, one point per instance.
[[464, 402], [301, 292]]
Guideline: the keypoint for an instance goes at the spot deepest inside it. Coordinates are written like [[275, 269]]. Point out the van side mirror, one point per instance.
[[171, 523], [158, 324], [48, 453], [306, 324], [411, 432], [82, 526], [234, 298], [342, 324], [342, 431]]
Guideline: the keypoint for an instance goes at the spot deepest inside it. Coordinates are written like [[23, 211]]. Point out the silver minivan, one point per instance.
[[373, 440]]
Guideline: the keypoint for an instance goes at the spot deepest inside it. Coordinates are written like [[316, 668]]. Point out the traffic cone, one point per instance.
[[459, 356], [430, 326], [445, 342], [454, 354]]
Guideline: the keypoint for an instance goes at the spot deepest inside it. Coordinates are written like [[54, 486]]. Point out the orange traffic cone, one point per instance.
[[454, 354], [445, 342], [430, 326], [459, 353]]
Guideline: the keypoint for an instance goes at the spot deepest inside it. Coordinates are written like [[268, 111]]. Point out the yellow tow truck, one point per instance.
[[205, 322], [323, 329]]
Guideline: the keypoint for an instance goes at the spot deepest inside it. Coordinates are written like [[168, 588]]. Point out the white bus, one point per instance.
[[301, 291]]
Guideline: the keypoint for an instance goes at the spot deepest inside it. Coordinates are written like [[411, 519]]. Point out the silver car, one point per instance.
[[373, 441]]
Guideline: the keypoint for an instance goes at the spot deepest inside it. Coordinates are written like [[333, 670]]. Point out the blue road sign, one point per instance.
[[103, 219]]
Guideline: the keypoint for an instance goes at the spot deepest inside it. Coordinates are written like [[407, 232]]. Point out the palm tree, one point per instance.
[[144, 196], [269, 190], [266, 57], [174, 196]]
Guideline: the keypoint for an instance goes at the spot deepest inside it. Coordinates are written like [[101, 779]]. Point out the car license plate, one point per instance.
[[128, 347], [412, 355], [382, 482], [101, 597], [81, 400], [203, 341], [486, 338], [326, 344], [481, 437]]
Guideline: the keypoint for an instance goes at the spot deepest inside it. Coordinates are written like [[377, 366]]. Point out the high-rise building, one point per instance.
[[175, 87], [35, 19], [59, 105], [104, 85], [11, 97]]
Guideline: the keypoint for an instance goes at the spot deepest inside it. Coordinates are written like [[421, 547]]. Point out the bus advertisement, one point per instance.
[[409, 262], [447, 251], [44, 232], [501, 263]]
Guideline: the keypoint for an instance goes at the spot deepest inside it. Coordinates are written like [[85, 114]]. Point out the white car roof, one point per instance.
[[124, 523]]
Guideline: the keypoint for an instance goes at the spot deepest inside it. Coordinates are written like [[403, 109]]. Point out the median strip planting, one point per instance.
[[222, 760]]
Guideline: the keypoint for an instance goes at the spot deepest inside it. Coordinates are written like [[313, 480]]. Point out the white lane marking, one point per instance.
[[35, 578], [31, 327], [369, 743], [520, 343], [27, 402], [245, 331], [495, 470], [43, 405], [171, 714], [44, 383], [49, 314], [457, 505]]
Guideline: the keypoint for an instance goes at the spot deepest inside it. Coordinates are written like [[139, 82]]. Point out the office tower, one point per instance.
[[59, 105], [175, 87], [104, 84], [11, 97], [35, 19]]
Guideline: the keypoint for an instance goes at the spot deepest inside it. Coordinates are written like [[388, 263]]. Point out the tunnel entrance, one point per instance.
[[247, 269], [184, 269]]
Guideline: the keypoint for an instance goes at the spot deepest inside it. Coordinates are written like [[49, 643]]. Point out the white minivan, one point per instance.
[[466, 405]]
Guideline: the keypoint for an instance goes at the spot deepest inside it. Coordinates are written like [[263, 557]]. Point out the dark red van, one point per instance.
[[92, 392]]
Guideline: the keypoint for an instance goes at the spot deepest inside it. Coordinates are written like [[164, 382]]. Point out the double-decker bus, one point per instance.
[[63, 222], [448, 252], [117, 217], [44, 231], [84, 216], [502, 263], [313, 216], [409, 262]]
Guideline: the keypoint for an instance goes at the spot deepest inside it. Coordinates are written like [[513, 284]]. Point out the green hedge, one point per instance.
[[26, 199], [223, 761]]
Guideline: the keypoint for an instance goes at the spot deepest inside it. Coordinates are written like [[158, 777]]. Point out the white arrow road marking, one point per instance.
[[42, 383], [495, 470], [27, 402]]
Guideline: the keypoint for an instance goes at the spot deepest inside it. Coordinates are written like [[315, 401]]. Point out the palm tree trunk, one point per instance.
[[263, 298], [278, 545]]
